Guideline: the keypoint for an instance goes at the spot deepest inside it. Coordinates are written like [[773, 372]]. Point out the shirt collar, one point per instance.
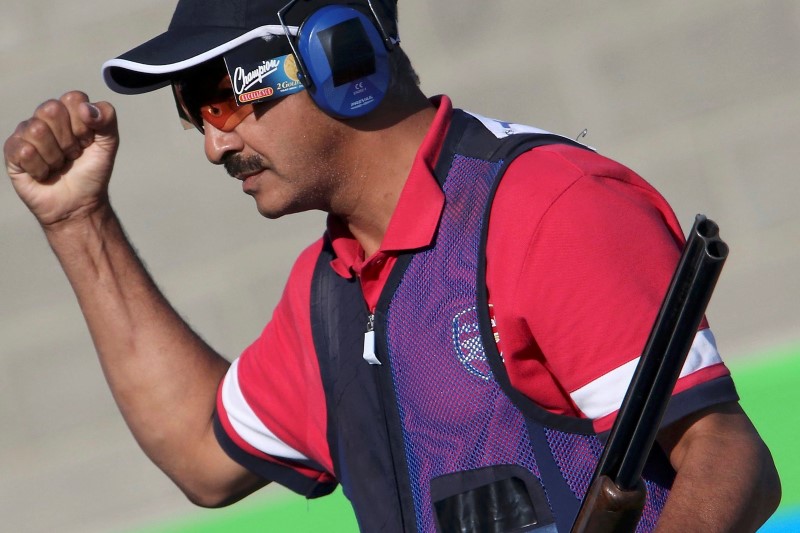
[[416, 216]]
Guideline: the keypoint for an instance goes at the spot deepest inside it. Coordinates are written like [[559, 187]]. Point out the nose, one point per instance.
[[218, 143]]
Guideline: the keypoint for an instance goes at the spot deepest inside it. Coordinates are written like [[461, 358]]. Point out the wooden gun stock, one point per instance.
[[607, 507], [616, 496]]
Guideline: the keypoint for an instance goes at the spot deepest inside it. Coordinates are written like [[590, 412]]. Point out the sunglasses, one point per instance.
[[206, 95]]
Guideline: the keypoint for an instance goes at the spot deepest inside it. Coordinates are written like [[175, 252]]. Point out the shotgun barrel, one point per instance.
[[617, 494]]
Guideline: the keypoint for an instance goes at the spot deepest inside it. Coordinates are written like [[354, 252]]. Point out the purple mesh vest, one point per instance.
[[435, 438]]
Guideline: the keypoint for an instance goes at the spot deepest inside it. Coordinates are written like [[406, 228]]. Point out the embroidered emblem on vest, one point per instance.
[[467, 343]]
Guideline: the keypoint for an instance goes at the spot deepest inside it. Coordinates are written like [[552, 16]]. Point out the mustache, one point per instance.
[[237, 165]]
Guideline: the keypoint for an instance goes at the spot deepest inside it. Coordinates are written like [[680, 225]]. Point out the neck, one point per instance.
[[383, 153]]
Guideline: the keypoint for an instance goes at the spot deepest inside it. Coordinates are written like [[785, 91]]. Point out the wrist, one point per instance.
[[92, 215], [86, 232]]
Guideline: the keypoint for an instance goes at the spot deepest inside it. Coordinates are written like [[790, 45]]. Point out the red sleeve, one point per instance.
[[580, 253], [271, 412]]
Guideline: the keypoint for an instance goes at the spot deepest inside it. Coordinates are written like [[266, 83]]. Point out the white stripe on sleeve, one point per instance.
[[247, 425], [604, 395]]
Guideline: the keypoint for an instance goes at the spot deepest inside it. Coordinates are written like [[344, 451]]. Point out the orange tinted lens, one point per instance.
[[225, 115]]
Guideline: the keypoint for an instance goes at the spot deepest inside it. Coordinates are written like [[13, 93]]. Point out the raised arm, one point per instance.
[[162, 375]]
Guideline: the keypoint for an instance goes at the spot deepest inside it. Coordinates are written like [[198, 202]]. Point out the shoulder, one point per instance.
[[553, 169], [575, 191]]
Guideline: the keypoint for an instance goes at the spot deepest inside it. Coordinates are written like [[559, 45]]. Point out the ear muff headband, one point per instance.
[[342, 60]]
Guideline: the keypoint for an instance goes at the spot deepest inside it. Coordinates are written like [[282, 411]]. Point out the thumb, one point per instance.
[[101, 118]]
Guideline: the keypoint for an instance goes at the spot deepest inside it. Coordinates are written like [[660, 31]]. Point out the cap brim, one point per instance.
[[153, 64]]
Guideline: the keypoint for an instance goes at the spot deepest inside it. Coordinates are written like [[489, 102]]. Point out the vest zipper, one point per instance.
[[383, 381], [369, 341]]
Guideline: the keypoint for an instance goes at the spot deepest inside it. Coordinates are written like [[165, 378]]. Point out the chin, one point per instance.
[[271, 214], [273, 211], [267, 206]]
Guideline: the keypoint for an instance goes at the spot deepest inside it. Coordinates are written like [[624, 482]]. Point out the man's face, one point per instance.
[[287, 153]]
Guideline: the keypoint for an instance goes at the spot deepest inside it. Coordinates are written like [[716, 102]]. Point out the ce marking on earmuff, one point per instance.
[[359, 86]]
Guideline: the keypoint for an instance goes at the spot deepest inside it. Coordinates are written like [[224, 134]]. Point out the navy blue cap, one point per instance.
[[201, 30]]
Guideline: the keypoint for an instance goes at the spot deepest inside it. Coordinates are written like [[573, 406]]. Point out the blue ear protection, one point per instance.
[[343, 61]]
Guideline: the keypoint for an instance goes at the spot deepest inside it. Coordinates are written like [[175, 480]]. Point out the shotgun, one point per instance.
[[616, 495]]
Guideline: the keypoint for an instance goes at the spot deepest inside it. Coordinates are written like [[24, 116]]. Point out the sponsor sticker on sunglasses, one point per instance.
[[255, 79]]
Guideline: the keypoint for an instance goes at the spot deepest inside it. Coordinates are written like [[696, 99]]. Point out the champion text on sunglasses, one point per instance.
[[223, 93]]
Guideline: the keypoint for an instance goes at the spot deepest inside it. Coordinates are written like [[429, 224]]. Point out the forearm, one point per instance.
[[726, 479], [162, 375]]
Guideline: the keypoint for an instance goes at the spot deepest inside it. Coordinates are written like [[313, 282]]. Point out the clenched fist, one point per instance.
[[60, 160]]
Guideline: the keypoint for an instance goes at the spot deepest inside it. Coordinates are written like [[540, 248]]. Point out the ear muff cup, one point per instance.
[[342, 53]]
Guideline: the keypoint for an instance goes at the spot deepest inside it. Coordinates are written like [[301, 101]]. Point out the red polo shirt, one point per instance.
[[579, 256]]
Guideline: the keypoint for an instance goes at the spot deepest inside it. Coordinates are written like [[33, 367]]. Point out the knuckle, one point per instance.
[[21, 127], [26, 152], [51, 109], [26, 158], [74, 97], [37, 129], [9, 146]]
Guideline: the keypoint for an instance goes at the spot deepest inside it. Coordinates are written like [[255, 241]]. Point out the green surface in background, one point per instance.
[[769, 387], [278, 513]]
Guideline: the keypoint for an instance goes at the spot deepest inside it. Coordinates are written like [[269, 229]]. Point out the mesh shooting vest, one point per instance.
[[435, 438]]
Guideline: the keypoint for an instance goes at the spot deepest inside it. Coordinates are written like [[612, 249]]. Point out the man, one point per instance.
[[450, 370]]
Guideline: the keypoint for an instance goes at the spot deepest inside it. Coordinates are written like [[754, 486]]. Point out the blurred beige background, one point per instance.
[[701, 98]]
